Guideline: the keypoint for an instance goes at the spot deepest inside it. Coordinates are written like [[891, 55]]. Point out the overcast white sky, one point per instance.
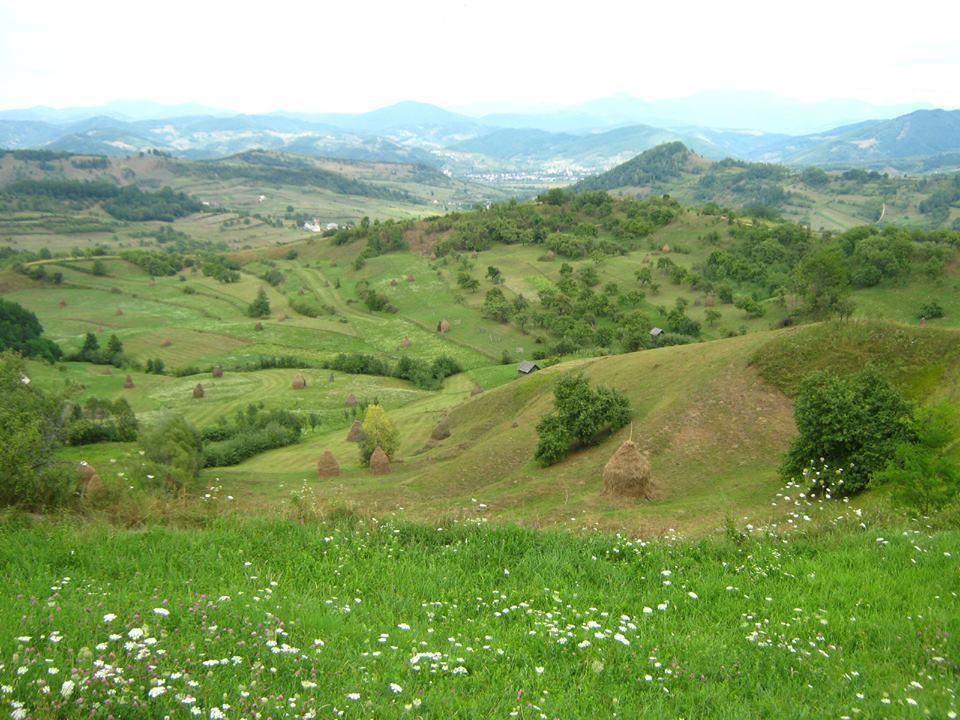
[[354, 55]]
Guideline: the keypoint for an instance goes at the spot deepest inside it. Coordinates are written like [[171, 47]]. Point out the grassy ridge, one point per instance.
[[392, 620]]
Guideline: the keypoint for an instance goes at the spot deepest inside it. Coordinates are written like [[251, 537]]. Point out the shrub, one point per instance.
[[260, 307], [31, 430], [102, 421], [176, 450], [252, 431], [931, 310], [580, 417], [21, 332], [922, 474], [852, 423], [379, 431]]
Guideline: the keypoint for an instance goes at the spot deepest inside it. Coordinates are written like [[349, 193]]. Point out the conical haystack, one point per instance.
[[258, 327], [442, 430], [300, 291], [128, 382], [379, 462], [327, 465], [89, 481], [393, 282], [166, 342], [627, 473], [351, 400], [299, 382], [281, 317], [410, 278], [119, 311], [406, 342], [443, 327], [477, 389], [107, 370], [198, 391], [356, 432], [217, 371], [63, 303], [665, 249]]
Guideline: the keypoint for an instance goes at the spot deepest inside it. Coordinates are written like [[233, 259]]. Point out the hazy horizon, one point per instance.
[[469, 55]]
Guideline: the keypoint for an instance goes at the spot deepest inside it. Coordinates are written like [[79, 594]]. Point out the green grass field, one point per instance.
[[390, 620]]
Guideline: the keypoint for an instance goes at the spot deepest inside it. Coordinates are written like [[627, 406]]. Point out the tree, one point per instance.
[[21, 332], [712, 317], [580, 416], [495, 305], [494, 274], [114, 348], [260, 307], [467, 281], [822, 281], [923, 474], [853, 424], [31, 428], [176, 449], [90, 351], [99, 268], [378, 431]]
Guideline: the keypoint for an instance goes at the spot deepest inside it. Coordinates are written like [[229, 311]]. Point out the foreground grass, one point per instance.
[[345, 619]]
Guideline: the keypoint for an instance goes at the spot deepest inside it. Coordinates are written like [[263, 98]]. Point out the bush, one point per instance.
[[931, 310], [252, 431], [21, 332], [102, 421], [580, 417], [175, 449], [922, 474], [31, 430], [260, 307], [378, 431], [851, 423]]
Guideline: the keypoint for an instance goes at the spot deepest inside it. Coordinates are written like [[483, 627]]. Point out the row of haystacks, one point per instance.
[[327, 465]]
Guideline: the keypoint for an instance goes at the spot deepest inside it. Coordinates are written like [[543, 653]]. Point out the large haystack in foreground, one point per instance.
[[379, 462], [327, 465], [443, 327], [627, 474], [299, 382], [89, 481], [356, 432]]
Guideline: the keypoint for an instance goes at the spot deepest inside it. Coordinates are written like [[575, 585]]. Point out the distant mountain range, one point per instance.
[[544, 148]]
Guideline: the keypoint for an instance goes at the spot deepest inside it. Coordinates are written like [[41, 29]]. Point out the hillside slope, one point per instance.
[[714, 428]]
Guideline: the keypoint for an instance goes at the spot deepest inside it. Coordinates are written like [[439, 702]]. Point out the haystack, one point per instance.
[[409, 278], [406, 342], [477, 389], [119, 311], [128, 382], [89, 481], [166, 342], [356, 432], [327, 465], [474, 255], [393, 282], [63, 303], [442, 430], [300, 291], [281, 317], [258, 327], [198, 391], [627, 473], [217, 371], [379, 462], [107, 370], [665, 248], [299, 382], [351, 400], [443, 327]]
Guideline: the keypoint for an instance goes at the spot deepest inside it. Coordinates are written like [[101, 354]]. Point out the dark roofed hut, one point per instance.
[[527, 368]]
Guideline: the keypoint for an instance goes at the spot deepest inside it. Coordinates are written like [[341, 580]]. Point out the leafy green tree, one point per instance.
[[90, 351], [712, 317], [823, 282], [495, 305], [378, 430], [99, 268], [467, 281], [260, 307], [923, 474], [176, 450], [581, 415], [851, 423], [114, 348], [21, 332], [31, 428], [494, 274], [930, 310]]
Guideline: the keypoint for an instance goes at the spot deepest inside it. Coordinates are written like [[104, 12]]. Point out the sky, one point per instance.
[[352, 56]]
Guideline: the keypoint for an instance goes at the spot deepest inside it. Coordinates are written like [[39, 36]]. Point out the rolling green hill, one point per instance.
[[830, 201]]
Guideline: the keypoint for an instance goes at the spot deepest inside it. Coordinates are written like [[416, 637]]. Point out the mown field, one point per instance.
[[247, 619]]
